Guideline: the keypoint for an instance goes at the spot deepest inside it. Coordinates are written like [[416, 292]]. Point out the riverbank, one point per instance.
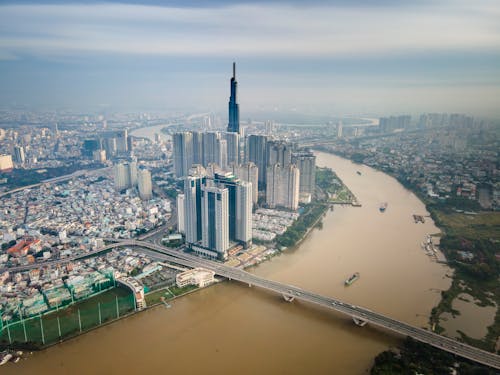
[[468, 243]]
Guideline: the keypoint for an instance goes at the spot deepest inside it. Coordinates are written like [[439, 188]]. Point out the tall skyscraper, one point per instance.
[[257, 153], [233, 147], [125, 175], [99, 155], [222, 153], [89, 146], [122, 141], [144, 184], [282, 187], [192, 208], [197, 148], [180, 214], [19, 157], [215, 219], [306, 162], [279, 152], [211, 148], [183, 153], [234, 108], [250, 173], [122, 176], [240, 205], [132, 172], [110, 146], [244, 213]]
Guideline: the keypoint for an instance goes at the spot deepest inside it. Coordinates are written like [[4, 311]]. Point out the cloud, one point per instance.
[[248, 30]]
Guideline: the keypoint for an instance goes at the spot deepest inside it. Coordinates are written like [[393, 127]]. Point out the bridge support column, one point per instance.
[[359, 322], [288, 298]]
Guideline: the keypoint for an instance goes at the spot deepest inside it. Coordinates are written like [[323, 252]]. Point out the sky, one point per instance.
[[338, 57]]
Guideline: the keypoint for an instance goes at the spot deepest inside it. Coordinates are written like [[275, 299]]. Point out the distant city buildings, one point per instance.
[[99, 156], [206, 148], [388, 124]]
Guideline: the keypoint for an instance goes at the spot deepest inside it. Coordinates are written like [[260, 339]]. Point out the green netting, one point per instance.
[[68, 321]]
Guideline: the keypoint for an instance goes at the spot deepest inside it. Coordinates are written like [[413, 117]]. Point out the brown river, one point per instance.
[[231, 328]]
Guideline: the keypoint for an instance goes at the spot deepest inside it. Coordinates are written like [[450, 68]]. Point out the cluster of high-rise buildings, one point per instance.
[[215, 212], [223, 175], [426, 120], [109, 144], [129, 175]]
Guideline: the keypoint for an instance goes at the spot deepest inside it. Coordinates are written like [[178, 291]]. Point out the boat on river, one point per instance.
[[351, 279], [383, 207]]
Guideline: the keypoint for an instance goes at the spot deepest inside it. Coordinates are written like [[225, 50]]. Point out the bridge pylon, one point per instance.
[[358, 321]]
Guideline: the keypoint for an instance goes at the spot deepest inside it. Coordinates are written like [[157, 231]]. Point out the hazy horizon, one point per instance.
[[335, 58]]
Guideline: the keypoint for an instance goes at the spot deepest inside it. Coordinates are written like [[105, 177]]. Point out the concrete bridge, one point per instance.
[[361, 316]]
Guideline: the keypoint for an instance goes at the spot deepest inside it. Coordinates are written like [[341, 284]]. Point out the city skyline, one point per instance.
[[349, 60]]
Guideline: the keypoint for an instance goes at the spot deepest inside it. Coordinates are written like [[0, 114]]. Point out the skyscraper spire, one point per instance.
[[234, 109]]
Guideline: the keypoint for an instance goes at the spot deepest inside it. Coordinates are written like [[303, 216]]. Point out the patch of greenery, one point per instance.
[[312, 213], [24, 177], [167, 293], [418, 358]]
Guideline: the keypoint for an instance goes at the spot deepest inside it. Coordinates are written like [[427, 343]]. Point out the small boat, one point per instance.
[[358, 172], [382, 207], [6, 358], [351, 279]]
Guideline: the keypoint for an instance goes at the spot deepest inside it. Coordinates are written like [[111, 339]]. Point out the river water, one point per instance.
[[231, 328], [150, 131]]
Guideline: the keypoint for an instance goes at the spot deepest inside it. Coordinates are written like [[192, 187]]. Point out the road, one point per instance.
[[56, 179], [56, 262]]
